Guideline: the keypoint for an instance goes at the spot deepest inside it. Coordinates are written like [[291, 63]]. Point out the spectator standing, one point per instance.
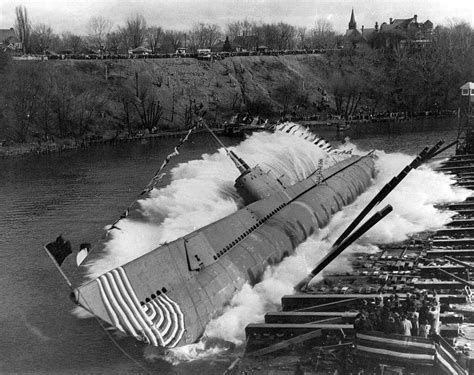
[[424, 328], [414, 319], [405, 326]]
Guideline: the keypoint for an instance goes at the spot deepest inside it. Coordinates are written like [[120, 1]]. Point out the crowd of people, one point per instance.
[[416, 315]]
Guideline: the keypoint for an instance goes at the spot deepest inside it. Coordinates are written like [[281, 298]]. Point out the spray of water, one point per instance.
[[201, 191]]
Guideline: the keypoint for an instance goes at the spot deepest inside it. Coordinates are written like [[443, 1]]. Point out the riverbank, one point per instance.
[[64, 145], [338, 127]]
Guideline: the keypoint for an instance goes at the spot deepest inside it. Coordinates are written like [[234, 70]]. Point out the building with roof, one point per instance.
[[399, 32], [467, 90], [403, 32], [9, 40], [352, 37]]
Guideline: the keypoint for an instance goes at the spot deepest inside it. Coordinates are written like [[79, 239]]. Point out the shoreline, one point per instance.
[[341, 128], [64, 145]]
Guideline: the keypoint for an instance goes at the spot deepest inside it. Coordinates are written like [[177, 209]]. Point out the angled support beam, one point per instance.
[[457, 278], [460, 262]]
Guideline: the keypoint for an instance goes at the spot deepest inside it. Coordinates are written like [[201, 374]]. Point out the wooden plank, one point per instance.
[[461, 223], [438, 284], [286, 343], [454, 260], [328, 306], [305, 300], [292, 329], [297, 317], [454, 242], [455, 231], [455, 253]]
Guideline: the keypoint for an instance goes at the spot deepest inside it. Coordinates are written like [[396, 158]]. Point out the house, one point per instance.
[[406, 31], [400, 32], [468, 90], [9, 40]]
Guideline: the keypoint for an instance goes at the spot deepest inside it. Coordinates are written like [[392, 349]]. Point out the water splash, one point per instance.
[[202, 191]]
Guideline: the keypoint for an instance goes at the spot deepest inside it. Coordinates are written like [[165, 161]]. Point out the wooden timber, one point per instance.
[[455, 232], [303, 317], [461, 223], [441, 242]]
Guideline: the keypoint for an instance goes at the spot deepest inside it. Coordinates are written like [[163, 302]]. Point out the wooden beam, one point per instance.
[[286, 343], [308, 317], [457, 278], [454, 260]]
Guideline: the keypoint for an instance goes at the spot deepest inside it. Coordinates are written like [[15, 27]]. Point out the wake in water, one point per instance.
[[202, 191]]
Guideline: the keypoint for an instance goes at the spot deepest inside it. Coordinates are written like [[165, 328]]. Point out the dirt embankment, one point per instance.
[[76, 101], [261, 85]]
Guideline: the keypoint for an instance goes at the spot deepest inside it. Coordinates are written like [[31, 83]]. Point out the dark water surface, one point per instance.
[[78, 194]]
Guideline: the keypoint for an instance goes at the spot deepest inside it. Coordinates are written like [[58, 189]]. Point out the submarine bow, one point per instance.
[[168, 296]]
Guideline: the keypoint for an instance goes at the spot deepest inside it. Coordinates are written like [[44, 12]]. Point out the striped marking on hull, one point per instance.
[[159, 322]]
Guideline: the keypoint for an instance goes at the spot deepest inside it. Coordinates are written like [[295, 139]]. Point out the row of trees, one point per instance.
[[103, 37], [63, 101], [404, 79]]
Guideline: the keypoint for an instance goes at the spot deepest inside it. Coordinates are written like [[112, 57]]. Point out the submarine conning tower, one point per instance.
[[254, 183]]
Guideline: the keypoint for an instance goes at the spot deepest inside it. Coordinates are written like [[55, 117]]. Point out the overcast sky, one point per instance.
[[73, 15]]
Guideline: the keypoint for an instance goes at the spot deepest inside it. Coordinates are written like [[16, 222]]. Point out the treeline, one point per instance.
[[411, 79], [42, 102], [105, 38]]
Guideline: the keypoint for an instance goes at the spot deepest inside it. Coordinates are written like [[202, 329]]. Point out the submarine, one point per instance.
[[167, 296]]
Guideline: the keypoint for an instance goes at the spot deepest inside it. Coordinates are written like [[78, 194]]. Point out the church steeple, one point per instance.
[[352, 22]]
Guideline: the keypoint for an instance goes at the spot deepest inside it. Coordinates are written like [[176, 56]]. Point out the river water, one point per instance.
[[77, 194]]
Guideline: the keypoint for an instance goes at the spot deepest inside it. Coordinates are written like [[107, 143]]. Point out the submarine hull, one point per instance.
[[168, 296]]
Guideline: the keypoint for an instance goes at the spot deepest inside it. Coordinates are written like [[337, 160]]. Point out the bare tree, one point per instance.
[[323, 34], [72, 42], [154, 38], [204, 35], [301, 37], [286, 35], [113, 42], [172, 40], [238, 28], [23, 27], [98, 28], [148, 107], [25, 88], [134, 31], [41, 38]]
